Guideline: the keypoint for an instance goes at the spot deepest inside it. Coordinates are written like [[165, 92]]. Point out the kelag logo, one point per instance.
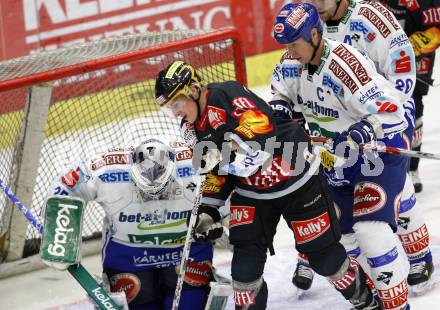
[[159, 239]]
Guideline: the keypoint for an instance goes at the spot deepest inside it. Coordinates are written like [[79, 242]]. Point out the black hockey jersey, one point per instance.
[[233, 109]]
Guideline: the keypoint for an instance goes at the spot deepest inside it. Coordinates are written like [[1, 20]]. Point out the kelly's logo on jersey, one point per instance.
[[241, 215], [308, 230]]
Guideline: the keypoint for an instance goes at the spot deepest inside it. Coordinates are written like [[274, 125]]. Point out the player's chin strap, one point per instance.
[[315, 47], [197, 100], [387, 149]]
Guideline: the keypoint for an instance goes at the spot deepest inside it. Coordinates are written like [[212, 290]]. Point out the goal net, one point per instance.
[[66, 105]]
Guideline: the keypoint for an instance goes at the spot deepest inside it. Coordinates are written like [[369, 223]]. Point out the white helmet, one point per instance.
[[153, 166]]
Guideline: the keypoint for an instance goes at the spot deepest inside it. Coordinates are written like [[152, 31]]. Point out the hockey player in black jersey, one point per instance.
[[270, 173]]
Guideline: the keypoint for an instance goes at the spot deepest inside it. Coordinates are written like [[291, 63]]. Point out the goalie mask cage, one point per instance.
[[58, 107]]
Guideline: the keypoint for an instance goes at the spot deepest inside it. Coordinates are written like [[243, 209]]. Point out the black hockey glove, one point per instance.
[[208, 224]]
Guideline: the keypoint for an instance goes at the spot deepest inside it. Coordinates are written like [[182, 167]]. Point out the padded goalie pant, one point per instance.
[[310, 215], [154, 289]]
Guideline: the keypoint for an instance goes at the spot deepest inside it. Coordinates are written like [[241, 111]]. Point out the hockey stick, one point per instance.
[[81, 275], [187, 246], [423, 81], [388, 149]]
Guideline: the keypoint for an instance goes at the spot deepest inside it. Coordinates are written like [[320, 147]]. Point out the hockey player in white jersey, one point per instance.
[[343, 97], [146, 201], [374, 30]]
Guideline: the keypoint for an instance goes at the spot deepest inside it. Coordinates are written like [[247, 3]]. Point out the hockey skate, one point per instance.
[[419, 277], [418, 186], [303, 276]]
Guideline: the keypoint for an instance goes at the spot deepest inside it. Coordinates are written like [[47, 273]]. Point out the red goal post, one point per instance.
[[73, 103]]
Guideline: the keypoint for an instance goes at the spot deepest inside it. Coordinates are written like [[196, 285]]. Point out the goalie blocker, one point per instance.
[[61, 240]]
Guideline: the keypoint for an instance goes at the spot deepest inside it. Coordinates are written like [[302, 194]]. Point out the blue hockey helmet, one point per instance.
[[296, 21]]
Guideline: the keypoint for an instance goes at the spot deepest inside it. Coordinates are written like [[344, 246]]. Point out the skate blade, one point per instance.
[[300, 293], [422, 288]]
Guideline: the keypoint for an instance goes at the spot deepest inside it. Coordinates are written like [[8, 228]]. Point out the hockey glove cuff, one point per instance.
[[208, 225], [361, 132]]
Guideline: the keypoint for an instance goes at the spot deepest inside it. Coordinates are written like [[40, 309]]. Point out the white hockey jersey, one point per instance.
[[132, 220], [372, 29], [343, 89]]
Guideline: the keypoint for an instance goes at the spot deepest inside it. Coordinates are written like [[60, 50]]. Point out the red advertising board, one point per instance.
[[30, 25]]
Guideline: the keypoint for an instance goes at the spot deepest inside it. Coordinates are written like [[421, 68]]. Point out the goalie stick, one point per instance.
[[81, 275], [187, 246], [387, 149]]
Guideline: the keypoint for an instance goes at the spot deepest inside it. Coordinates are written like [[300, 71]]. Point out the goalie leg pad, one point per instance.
[[377, 241], [140, 287], [62, 234]]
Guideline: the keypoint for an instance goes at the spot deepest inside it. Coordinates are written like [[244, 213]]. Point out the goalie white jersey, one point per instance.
[[372, 29], [149, 232], [343, 89]]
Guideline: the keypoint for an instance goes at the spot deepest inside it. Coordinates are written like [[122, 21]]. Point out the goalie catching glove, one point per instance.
[[208, 225], [425, 42]]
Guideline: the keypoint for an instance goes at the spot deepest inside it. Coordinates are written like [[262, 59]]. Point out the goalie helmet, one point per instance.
[[153, 167], [296, 21], [175, 80]]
